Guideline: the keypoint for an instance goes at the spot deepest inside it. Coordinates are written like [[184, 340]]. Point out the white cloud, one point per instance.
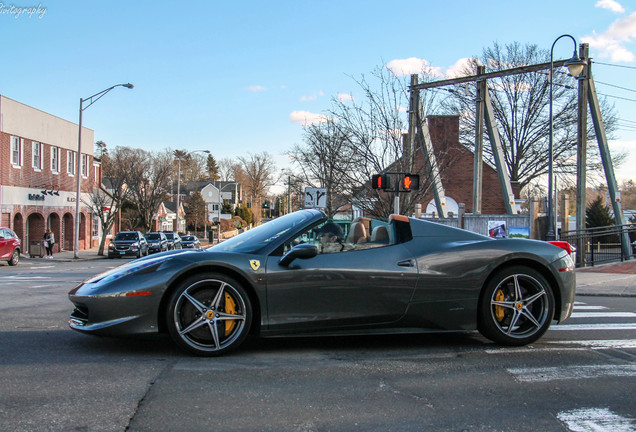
[[457, 70], [344, 97], [412, 65], [256, 88], [612, 5], [312, 96], [611, 42], [305, 117]]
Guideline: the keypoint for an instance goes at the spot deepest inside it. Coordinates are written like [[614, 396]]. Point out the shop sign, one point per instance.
[[36, 197]]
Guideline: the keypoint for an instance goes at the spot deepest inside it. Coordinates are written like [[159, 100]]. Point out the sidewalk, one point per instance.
[[67, 256], [612, 280]]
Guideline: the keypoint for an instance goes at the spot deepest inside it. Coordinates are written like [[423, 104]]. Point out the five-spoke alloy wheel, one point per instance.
[[209, 314], [516, 307]]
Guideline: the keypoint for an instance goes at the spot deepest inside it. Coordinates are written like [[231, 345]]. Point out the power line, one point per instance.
[[614, 65], [617, 97], [612, 85]]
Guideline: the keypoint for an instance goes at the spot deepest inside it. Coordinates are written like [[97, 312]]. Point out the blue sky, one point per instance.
[[229, 76]]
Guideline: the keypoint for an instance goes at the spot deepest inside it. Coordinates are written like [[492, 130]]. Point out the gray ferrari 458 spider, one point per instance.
[[304, 274]]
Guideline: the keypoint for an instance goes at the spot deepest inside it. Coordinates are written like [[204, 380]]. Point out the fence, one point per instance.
[[603, 244]]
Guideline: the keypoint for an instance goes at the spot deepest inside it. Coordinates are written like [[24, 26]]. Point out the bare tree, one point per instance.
[[521, 107], [259, 175], [225, 169], [375, 126], [327, 160], [108, 199], [148, 177]]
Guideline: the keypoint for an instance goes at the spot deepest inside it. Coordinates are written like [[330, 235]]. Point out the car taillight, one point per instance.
[[563, 245]]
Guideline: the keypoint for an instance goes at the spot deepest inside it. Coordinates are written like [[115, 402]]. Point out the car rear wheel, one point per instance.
[[209, 315], [517, 307], [15, 258]]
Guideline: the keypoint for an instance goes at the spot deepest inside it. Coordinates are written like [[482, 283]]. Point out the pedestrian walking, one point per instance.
[[49, 241]]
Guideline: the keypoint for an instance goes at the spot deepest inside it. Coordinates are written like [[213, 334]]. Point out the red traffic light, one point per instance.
[[410, 182]]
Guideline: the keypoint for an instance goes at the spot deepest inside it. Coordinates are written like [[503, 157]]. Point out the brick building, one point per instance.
[[456, 170], [38, 164]]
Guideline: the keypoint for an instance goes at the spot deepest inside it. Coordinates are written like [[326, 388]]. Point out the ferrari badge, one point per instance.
[[256, 264]]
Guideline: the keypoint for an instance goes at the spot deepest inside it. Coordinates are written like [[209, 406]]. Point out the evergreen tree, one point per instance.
[[597, 214], [213, 169]]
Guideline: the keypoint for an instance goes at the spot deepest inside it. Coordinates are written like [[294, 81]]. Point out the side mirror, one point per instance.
[[302, 251]]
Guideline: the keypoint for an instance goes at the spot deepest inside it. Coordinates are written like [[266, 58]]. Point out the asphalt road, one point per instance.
[[581, 376]]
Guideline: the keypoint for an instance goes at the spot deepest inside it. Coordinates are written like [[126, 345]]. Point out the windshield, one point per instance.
[[153, 236], [126, 236], [187, 238], [263, 235], [169, 236]]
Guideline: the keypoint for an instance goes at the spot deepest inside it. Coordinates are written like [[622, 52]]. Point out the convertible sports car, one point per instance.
[[303, 274]]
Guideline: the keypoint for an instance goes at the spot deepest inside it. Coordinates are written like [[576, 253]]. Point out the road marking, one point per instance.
[[575, 327], [581, 307], [41, 267], [583, 345], [546, 374], [24, 277], [603, 315], [601, 344], [595, 420]]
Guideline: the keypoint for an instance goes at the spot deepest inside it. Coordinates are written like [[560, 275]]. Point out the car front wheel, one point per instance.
[[516, 307], [209, 315], [15, 258]]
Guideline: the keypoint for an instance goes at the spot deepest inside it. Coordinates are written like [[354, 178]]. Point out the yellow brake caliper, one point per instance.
[[230, 308], [499, 310]]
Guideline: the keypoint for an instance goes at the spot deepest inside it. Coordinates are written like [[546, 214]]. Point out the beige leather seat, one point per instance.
[[380, 234], [357, 233]]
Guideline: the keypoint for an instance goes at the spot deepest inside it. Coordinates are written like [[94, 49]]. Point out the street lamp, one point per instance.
[[91, 100], [179, 157], [575, 66]]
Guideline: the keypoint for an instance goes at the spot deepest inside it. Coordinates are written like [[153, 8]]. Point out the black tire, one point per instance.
[[516, 307], [15, 258], [209, 314]]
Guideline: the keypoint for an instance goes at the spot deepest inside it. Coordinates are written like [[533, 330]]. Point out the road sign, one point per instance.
[[315, 197]]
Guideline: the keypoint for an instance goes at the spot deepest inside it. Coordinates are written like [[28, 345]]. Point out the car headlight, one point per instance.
[[111, 246]]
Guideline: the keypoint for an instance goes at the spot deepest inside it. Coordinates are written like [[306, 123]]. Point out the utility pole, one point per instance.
[[581, 153]]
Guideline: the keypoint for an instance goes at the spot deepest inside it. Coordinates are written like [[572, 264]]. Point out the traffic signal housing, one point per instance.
[[409, 182], [381, 181]]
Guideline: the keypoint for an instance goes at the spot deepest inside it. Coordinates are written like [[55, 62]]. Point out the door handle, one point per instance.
[[406, 263]]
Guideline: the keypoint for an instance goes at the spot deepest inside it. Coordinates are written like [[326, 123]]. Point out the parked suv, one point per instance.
[[157, 242], [10, 246], [174, 241], [191, 242], [128, 243]]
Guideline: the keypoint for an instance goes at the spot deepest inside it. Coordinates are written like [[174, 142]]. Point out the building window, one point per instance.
[[55, 160], [70, 162], [96, 224], [36, 156], [16, 151], [85, 165], [95, 174]]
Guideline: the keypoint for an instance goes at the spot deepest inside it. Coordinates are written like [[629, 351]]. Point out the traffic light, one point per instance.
[[381, 181], [410, 182]]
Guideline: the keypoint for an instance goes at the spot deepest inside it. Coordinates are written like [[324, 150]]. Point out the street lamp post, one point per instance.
[[91, 100], [179, 157], [575, 66]]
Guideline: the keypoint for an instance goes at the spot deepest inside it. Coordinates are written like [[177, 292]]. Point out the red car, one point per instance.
[[10, 247]]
